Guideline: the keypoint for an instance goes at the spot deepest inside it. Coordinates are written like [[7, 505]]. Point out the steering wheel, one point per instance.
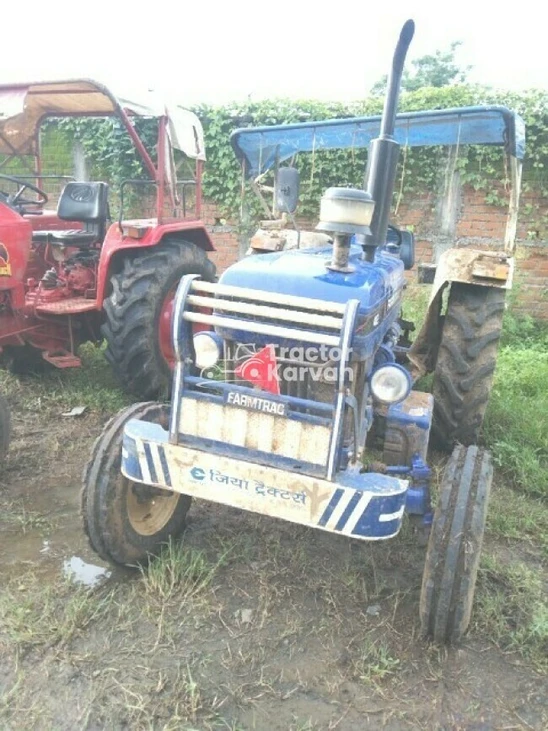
[[15, 199]]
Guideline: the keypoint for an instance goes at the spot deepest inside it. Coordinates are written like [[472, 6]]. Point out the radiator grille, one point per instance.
[[240, 427]]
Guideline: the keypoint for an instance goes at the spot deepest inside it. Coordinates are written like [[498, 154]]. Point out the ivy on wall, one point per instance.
[[420, 168], [112, 156]]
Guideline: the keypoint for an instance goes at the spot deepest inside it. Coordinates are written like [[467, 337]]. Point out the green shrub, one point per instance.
[[516, 426]]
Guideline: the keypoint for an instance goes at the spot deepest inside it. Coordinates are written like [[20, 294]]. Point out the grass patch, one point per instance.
[[179, 571], [143, 708], [15, 515], [516, 515], [415, 303], [516, 425], [375, 661], [34, 613], [512, 609]]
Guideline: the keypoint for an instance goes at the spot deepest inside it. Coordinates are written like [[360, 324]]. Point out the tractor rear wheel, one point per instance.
[[5, 427], [454, 547], [127, 522], [138, 314], [22, 360], [466, 363]]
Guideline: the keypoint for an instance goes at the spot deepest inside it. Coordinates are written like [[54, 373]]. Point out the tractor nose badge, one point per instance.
[[261, 370], [344, 212]]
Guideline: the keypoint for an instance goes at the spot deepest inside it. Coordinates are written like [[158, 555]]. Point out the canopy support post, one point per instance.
[[516, 168]]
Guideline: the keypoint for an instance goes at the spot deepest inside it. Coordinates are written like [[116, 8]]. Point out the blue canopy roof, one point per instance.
[[259, 147]]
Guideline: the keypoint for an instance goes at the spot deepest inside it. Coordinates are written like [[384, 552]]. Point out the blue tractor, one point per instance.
[[281, 406]]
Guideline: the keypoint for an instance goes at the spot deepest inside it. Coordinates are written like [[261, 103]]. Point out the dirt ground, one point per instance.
[[249, 623]]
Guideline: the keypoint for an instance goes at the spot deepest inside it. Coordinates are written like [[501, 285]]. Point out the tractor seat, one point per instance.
[[85, 202]]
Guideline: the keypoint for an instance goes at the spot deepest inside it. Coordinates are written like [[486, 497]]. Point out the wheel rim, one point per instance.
[[147, 515], [164, 327]]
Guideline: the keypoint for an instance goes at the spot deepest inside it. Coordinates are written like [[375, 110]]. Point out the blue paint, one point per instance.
[[131, 457], [348, 511], [337, 495], [260, 147], [370, 522], [303, 272], [150, 463], [418, 500], [397, 413], [165, 466]]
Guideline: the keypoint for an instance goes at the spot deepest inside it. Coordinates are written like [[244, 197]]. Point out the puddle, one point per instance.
[[84, 573]]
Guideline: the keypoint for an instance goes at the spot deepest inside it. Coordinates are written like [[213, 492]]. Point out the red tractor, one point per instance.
[[72, 275]]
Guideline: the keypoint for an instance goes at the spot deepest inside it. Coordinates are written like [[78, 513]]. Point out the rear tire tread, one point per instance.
[[466, 363], [133, 309]]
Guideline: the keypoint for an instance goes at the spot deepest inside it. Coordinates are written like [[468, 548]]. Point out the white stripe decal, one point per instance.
[[339, 509], [155, 452], [387, 517], [357, 513]]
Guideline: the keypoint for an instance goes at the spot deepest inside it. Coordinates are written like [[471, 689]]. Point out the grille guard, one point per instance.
[[284, 317]]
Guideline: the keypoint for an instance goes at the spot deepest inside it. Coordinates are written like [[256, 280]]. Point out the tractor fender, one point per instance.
[[467, 266], [118, 242]]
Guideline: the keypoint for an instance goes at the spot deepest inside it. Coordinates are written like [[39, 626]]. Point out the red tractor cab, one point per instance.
[[70, 274]]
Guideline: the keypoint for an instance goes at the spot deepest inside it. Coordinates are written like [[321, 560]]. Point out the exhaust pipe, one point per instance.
[[380, 175]]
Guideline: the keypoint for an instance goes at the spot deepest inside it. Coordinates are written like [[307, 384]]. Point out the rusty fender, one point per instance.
[[467, 266]]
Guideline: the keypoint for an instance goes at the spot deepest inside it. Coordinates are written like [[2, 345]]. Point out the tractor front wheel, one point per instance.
[[127, 522], [138, 314], [454, 547], [5, 427], [466, 363]]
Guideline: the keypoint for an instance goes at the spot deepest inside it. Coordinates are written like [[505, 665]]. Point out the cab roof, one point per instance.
[[23, 107], [259, 148]]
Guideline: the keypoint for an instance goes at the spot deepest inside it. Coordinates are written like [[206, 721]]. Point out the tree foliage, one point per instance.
[[420, 168], [113, 157], [432, 70]]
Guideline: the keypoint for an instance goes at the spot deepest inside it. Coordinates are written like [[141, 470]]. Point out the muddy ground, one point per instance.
[[249, 623]]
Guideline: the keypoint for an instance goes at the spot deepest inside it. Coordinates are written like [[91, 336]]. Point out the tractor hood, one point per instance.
[[303, 272], [378, 286]]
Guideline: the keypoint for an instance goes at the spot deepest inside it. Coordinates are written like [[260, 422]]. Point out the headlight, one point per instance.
[[391, 383], [207, 347]]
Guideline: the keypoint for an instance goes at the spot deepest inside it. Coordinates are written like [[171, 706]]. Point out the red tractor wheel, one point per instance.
[[5, 427], [138, 314], [126, 522]]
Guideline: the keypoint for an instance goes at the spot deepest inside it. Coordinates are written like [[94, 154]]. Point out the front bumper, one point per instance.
[[367, 506]]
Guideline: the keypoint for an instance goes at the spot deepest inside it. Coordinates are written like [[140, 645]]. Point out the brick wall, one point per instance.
[[228, 244], [480, 225], [477, 224]]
